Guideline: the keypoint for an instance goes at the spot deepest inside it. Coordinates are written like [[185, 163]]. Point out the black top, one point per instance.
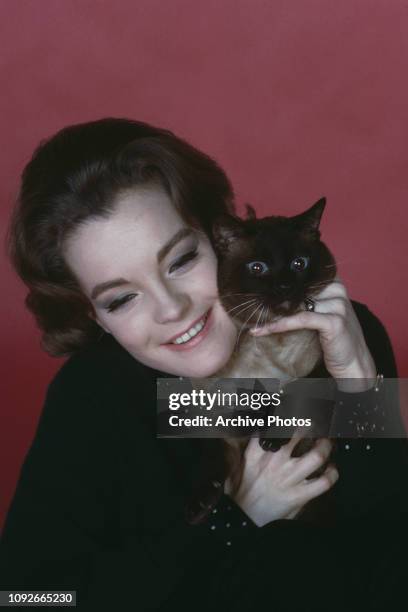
[[99, 508]]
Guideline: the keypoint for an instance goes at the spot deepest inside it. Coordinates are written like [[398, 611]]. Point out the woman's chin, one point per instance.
[[207, 370]]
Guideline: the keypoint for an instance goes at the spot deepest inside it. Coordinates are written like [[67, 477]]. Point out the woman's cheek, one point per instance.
[[207, 280], [129, 332]]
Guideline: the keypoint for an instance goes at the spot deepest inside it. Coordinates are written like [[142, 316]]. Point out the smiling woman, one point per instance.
[[112, 235], [96, 178], [159, 299]]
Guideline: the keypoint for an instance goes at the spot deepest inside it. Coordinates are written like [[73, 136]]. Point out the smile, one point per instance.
[[193, 335], [190, 333]]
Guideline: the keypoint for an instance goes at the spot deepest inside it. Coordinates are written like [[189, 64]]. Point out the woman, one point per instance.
[[112, 236]]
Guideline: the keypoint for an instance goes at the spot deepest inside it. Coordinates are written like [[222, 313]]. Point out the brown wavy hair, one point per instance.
[[76, 175]]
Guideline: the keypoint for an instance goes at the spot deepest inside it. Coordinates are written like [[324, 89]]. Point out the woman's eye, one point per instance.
[[299, 263], [183, 260], [119, 302], [257, 267]]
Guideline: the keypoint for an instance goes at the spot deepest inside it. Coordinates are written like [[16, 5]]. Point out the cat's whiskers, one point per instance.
[[266, 312], [242, 293], [252, 301], [239, 293], [256, 324], [244, 324], [264, 307], [340, 262], [243, 309], [268, 318], [318, 285], [321, 284]]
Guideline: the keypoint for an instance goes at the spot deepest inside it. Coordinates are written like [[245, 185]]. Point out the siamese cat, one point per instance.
[[268, 268]]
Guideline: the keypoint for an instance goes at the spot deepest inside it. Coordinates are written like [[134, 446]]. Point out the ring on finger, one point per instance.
[[310, 304]]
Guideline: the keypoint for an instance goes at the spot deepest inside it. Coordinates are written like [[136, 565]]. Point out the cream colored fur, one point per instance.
[[285, 356]]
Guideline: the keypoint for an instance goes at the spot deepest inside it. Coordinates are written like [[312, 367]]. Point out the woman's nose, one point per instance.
[[170, 306]]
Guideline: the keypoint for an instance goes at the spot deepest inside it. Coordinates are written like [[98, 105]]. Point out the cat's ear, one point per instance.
[[250, 211], [226, 231], [310, 219]]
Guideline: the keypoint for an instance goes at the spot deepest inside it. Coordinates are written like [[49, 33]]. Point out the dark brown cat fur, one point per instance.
[[267, 268]]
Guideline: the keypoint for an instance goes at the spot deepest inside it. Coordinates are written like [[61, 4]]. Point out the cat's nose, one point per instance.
[[284, 289]]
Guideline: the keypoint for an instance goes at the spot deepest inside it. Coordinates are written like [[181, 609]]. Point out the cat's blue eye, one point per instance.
[[299, 264], [257, 268]]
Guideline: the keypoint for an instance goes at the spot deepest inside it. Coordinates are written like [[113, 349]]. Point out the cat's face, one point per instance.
[[267, 267]]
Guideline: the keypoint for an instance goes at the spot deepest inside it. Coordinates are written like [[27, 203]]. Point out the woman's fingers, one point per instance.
[[309, 462], [254, 452], [289, 446], [332, 305], [269, 490], [332, 299], [301, 320], [333, 289], [309, 489], [329, 313]]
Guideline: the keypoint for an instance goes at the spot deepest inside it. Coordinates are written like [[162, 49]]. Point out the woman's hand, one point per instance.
[[274, 484], [345, 351]]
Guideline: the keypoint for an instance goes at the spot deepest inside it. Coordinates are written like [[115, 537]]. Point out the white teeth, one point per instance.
[[190, 333]]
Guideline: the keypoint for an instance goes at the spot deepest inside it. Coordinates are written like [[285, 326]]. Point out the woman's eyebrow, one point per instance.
[[180, 235], [117, 282], [98, 289]]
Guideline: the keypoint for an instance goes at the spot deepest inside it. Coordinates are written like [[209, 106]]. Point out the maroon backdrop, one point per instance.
[[295, 99]]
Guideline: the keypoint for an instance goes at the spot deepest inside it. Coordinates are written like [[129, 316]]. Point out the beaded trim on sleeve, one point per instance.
[[361, 414]]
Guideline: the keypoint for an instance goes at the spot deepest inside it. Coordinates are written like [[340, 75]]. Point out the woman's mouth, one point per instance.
[[193, 336]]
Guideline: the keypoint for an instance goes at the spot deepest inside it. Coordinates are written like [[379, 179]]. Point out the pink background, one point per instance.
[[295, 99]]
